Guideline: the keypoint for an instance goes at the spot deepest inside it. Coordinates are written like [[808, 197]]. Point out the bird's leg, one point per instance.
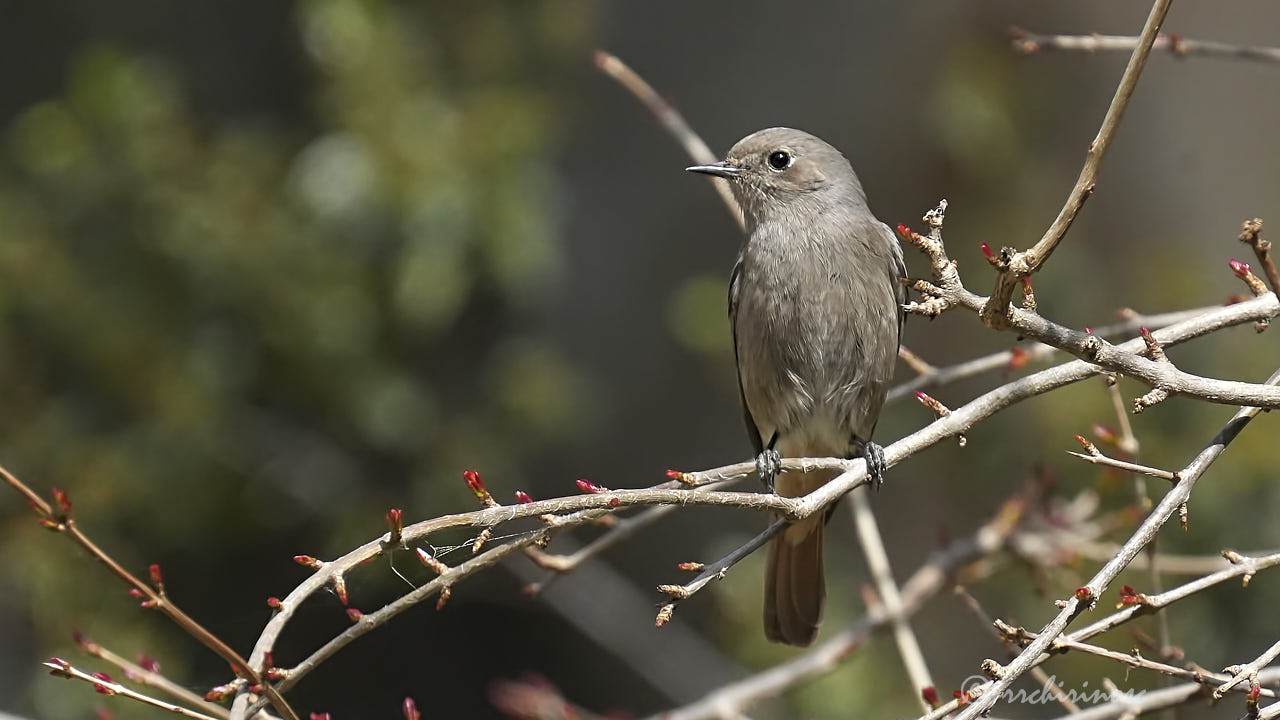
[[874, 455], [768, 463]]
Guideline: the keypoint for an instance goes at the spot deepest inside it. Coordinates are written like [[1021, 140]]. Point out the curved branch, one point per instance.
[[1024, 264], [586, 507], [1086, 596], [671, 120]]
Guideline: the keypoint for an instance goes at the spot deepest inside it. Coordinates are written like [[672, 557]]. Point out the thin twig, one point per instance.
[[915, 362], [671, 121], [1251, 235], [1125, 706], [1028, 43], [1087, 595], [1242, 567], [1042, 678], [559, 565], [864, 523], [1098, 458], [106, 686], [1169, 563], [151, 678], [948, 291], [1248, 671], [926, 582], [1128, 443], [1024, 264], [60, 521], [715, 571], [1062, 644], [1032, 352]]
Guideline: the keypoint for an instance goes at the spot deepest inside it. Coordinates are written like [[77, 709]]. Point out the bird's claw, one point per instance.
[[874, 455], [768, 463]]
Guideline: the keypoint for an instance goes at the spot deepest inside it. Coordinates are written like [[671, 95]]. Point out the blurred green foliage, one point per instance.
[[239, 328]]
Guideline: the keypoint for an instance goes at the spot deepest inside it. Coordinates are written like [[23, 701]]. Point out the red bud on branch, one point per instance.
[[930, 696], [308, 562], [62, 501], [395, 521], [477, 486]]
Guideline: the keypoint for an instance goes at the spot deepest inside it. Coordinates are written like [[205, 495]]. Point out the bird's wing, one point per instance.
[[899, 269], [753, 431]]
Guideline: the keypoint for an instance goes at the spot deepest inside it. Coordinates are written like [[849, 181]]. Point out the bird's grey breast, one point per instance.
[[816, 323]]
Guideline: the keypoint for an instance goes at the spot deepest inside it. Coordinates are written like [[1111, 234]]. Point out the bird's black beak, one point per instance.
[[720, 169]]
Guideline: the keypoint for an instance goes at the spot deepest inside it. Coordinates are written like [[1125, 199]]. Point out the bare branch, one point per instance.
[[715, 571], [558, 565], [729, 700], [152, 678], [915, 362], [1087, 595], [1028, 43], [59, 520], [1036, 351], [1248, 671], [671, 120], [1241, 567], [1062, 644], [1093, 455], [864, 523], [1169, 563], [1024, 264], [1163, 377], [1125, 706], [1251, 235], [1040, 676], [578, 509], [104, 685]]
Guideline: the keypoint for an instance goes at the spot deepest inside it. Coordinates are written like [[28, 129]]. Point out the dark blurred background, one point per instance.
[[269, 269]]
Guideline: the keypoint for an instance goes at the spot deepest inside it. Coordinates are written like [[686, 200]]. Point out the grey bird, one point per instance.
[[815, 302]]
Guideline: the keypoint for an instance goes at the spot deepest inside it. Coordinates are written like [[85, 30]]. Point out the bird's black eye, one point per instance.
[[779, 159]]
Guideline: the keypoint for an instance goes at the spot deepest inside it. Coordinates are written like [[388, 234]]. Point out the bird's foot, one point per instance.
[[874, 455], [768, 463]]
